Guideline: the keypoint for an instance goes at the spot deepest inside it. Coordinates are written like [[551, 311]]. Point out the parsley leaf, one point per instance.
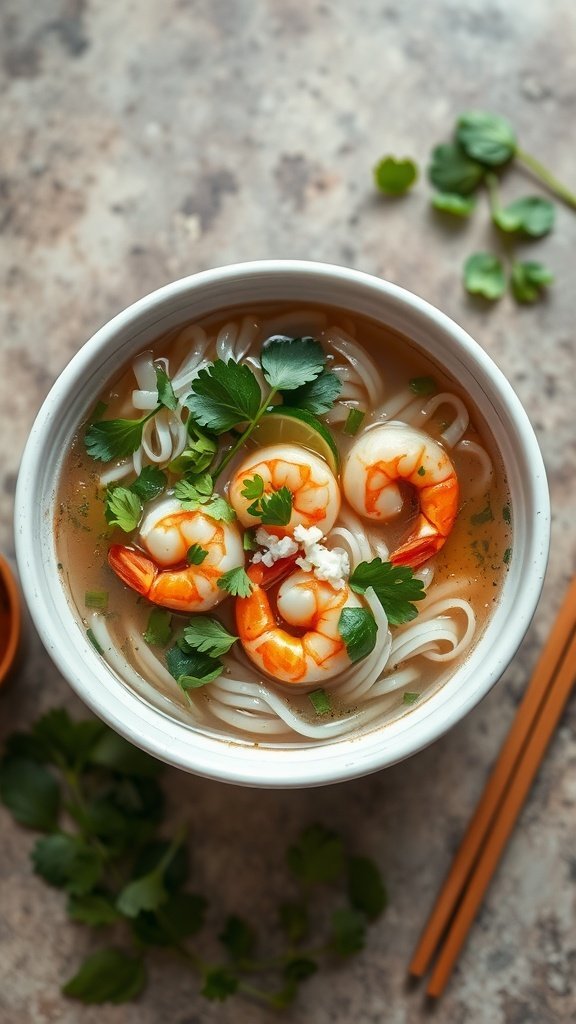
[[190, 668], [159, 628], [318, 396], [196, 554], [533, 215], [288, 363], [394, 177], [123, 508], [149, 484], [219, 509], [318, 856], [67, 861], [484, 275], [224, 394], [30, 792], [208, 636], [394, 585], [453, 203], [451, 170], [237, 582], [276, 508], [108, 976], [528, 279], [166, 396], [92, 908], [486, 137], [358, 629], [253, 487], [114, 439], [148, 892], [366, 890]]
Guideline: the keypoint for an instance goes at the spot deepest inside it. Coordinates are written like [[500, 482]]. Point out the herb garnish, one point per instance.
[[115, 439], [394, 177], [320, 701], [166, 395], [410, 697], [237, 582], [196, 554], [96, 599], [123, 508], [358, 629], [149, 484], [353, 422], [395, 587], [318, 396], [208, 636], [423, 386], [159, 629], [274, 508], [110, 858], [190, 668], [196, 494]]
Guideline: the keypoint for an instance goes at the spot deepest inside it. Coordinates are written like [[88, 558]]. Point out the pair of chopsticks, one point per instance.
[[501, 803]]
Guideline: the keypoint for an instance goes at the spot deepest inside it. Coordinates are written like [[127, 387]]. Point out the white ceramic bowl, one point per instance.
[[152, 727]]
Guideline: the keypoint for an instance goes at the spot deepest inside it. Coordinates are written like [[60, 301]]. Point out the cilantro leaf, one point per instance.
[[238, 937], [65, 741], [394, 585], [288, 363], [196, 496], [166, 396], [148, 892], [452, 170], [276, 508], [299, 968], [237, 582], [30, 792], [190, 668], [294, 920], [366, 890], [528, 280], [353, 422], [219, 983], [179, 917], [208, 636], [358, 629], [488, 138], [219, 509], [198, 454], [66, 861], [92, 908], [224, 394], [253, 487], [318, 856], [196, 554], [118, 755], [410, 697], [114, 439], [348, 932], [453, 203], [484, 275], [159, 628], [318, 396], [394, 177], [532, 215], [151, 482], [123, 508], [108, 976], [177, 871]]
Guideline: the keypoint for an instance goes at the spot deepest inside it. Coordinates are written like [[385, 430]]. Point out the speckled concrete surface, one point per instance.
[[144, 141]]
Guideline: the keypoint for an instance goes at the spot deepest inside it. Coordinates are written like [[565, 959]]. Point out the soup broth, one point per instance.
[[311, 673]]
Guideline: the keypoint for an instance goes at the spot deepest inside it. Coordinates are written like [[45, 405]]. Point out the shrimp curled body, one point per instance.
[[395, 452], [317, 653], [167, 533], [314, 489]]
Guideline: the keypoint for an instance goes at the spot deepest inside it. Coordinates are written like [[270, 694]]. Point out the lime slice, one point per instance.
[[296, 426]]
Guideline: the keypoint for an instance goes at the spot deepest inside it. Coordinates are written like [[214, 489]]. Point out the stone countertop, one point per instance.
[[143, 141]]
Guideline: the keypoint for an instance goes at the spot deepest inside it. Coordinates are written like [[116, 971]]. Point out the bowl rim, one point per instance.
[[143, 724]]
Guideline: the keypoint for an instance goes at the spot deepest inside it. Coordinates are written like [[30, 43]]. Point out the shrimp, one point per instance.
[[315, 491], [385, 455], [317, 652], [167, 533]]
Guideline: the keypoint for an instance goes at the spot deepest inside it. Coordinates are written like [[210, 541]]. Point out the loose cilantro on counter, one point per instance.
[[98, 801]]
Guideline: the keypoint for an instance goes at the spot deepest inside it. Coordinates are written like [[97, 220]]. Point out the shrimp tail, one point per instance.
[[266, 576], [133, 568], [417, 550]]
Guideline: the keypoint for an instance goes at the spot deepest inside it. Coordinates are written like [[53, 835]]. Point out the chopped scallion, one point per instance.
[[159, 629], [93, 641], [354, 422], [507, 556], [423, 386], [96, 599], [410, 697], [320, 701]]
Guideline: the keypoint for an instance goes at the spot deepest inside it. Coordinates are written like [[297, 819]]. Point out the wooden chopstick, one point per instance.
[[485, 833]]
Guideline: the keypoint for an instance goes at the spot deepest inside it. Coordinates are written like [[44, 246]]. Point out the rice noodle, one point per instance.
[[483, 479], [365, 370]]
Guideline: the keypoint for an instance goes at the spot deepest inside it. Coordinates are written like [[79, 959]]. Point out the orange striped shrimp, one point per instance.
[[315, 492], [167, 533], [316, 652], [395, 452]]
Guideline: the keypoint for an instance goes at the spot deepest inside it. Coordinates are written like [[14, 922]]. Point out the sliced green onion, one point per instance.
[[507, 556], [320, 701], [93, 641], [96, 599], [423, 386], [410, 698], [353, 421]]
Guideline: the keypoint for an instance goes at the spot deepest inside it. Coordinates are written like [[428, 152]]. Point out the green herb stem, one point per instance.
[[245, 434], [493, 193], [547, 178]]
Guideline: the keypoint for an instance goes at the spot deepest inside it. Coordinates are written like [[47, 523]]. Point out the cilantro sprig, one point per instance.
[[197, 494], [395, 587], [485, 145], [101, 809], [274, 508], [358, 629], [106, 440]]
